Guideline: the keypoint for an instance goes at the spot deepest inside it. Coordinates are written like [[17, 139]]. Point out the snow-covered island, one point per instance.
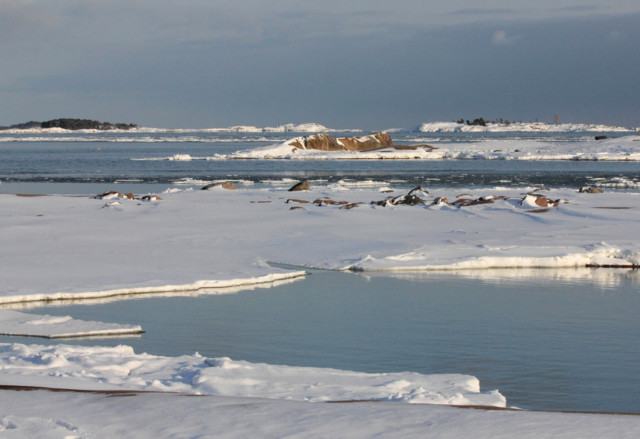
[[517, 127], [63, 247], [317, 147]]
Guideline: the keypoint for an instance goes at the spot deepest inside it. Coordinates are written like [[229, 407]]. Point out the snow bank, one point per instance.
[[119, 368], [75, 247], [29, 325], [58, 415], [60, 248]]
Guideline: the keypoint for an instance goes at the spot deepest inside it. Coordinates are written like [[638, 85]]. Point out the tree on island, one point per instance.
[[85, 124], [72, 124], [479, 121]]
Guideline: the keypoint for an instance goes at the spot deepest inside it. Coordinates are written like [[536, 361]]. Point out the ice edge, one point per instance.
[[151, 290]]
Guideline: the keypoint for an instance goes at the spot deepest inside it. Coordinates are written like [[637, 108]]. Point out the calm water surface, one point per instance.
[[137, 162], [544, 342]]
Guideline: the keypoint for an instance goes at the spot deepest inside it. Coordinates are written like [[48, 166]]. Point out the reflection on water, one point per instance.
[[604, 278], [547, 339]]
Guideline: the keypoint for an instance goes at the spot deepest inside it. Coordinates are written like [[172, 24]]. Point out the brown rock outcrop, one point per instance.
[[224, 185], [301, 186], [366, 143], [324, 142]]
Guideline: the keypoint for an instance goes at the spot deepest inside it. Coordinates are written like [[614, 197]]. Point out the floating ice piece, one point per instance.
[[29, 325]]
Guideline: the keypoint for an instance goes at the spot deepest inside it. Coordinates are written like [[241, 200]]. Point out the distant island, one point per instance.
[[71, 124]]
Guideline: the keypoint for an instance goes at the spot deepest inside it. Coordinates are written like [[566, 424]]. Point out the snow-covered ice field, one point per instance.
[[204, 242]]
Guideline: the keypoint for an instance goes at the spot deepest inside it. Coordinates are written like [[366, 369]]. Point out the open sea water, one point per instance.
[[138, 162], [552, 340]]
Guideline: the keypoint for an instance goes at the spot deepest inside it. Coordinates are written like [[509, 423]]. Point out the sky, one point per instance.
[[367, 64]]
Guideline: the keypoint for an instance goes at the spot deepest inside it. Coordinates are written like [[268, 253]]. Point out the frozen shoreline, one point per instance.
[[63, 247], [59, 248]]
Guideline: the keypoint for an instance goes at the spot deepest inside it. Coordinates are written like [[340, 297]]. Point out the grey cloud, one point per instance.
[[342, 67], [482, 12]]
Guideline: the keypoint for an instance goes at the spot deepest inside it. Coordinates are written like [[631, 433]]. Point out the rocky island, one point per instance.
[[71, 124]]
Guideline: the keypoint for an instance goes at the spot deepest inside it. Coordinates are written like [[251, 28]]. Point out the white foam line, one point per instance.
[[199, 285]]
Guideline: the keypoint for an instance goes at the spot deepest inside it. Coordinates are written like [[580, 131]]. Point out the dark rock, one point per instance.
[[224, 185], [439, 201], [409, 199], [296, 200], [418, 189], [300, 186], [601, 137], [461, 202], [151, 198], [349, 206], [590, 190], [109, 194]]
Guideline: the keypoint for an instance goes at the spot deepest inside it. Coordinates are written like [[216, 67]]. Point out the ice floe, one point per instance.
[[29, 325]]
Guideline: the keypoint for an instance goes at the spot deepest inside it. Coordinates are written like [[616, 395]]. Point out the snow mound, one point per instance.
[[119, 368]]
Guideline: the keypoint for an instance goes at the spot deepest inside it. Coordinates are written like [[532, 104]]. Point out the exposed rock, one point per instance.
[[413, 147], [409, 199], [324, 142], [349, 206], [419, 189], [296, 200], [460, 202], [540, 200], [151, 198], [590, 190], [385, 202], [108, 195], [439, 201], [366, 143], [601, 137], [321, 142], [371, 142], [111, 204], [224, 185], [547, 202], [300, 186], [328, 201]]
